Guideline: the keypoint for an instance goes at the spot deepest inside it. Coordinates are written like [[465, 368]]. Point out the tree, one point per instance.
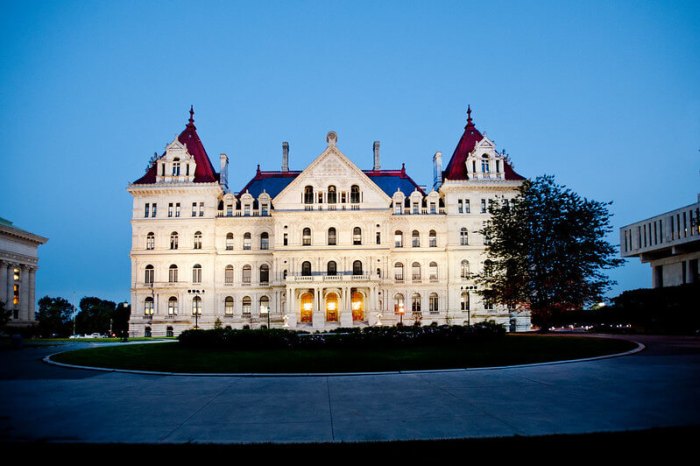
[[547, 250], [120, 318], [4, 315], [96, 315], [55, 317]]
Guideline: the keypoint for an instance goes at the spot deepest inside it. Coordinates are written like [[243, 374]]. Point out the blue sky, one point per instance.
[[604, 95]]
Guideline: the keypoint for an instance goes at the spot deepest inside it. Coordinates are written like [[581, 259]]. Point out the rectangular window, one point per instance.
[[467, 207], [228, 276], [685, 227], [246, 275], [153, 212], [397, 208], [246, 210], [285, 239], [264, 210], [194, 209], [378, 238], [498, 166], [433, 304], [483, 206], [177, 209], [460, 206], [673, 234], [15, 294], [147, 209], [433, 208], [170, 209], [415, 208], [201, 209], [197, 275]]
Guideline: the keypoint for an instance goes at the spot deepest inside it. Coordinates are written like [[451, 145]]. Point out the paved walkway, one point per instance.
[[658, 387]]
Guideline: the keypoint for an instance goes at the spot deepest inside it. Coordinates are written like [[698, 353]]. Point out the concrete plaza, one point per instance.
[[658, 387]]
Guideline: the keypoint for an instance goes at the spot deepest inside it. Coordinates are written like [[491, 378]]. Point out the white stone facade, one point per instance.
[[19, 261], [329, 246], [669, 242]]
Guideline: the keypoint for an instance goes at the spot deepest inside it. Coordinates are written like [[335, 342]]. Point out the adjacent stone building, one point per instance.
[[19, 259], [669, 242], [328, 246]]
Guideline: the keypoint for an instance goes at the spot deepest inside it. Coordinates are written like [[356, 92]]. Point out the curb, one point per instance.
[[640, 347]]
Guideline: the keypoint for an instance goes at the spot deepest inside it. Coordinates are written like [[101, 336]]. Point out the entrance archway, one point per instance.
[[307, 307], [331, 307], [358, 306]]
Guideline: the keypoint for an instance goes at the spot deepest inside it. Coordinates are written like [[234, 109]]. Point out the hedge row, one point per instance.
[[367, 337]]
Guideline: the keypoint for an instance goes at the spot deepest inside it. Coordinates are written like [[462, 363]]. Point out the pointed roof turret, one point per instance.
[[204, 173], [456, 168]]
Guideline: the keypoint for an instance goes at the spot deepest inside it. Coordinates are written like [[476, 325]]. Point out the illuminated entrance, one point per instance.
[[358, 306], [331, 307], [307, 307]]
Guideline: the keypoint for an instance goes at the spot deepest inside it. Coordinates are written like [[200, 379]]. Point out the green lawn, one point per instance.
[[92, 340], [512, 349]]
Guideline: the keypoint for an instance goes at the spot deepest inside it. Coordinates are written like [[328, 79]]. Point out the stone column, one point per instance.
[[346, 309], [24, 293], [8, 285], [319, 317], [3, 284], [32, 293]]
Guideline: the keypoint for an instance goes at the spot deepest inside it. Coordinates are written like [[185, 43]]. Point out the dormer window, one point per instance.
[[485, 164], [332, 195], [176, 167], [354, 194], [308, 195]]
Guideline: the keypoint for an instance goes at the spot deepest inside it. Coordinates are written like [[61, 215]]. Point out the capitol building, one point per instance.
[[329, 246]]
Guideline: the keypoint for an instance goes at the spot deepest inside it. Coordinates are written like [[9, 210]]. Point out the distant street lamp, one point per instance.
[[401, 313], [196, 308]]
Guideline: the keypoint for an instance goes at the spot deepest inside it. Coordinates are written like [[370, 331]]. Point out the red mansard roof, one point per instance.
[[457, 167], [204, 173]]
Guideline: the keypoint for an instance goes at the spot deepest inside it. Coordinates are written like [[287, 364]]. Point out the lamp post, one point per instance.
[[401, 313], [196, 310]]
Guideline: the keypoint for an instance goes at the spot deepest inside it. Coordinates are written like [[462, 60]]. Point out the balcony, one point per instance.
[[331, 278]]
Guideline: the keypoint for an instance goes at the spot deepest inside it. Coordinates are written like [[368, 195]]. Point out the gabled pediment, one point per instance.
[[174, 150]]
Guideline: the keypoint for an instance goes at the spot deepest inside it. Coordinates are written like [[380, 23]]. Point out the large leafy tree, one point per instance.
[[55, 317], [547, 250], [4, 315], [95, 315]]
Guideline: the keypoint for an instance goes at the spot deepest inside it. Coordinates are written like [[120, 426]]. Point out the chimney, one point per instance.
[[437, 170], [377, 165], [223, 172], [285, 156]]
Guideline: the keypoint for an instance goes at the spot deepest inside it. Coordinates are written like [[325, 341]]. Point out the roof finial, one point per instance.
[[191, 114], [469, 114]]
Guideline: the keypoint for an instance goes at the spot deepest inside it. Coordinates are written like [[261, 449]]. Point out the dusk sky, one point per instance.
[[604, 95]]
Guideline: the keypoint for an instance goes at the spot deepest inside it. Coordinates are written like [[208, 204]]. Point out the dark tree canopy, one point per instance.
[[55, 317], [547, 250], [4, 315]]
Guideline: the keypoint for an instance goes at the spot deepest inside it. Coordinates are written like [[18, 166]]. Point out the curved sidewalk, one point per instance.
[[654, 388]]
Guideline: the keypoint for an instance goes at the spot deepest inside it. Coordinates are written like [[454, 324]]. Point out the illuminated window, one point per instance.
[[15, 274], [197, 306], [398, 303], [148, 306], [15, 294]]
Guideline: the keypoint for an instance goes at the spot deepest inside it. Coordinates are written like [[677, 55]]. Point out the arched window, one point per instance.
[[264, 274], [172, 306], [172, 274], [150, 273], [173, 240], [264, 305], [197, 306], [432, 239], [398, 303], [228, 275], [148, 306], [332, 268], [488, 268], [357, 268], [306, 269], [245, 277], [197, 274], [332, 195], [398, 239], [465, 301], [398, 272], [415, 239], [354, 194], [415, 303], [485, 163], [246, 241], [308, 195], [357, 235], [434, 303], [228, 306], [463, 236], [332, 239], [198, 240], [464, 269], [264, 240], [415, 272], [246, 305], [306, 237], [229, 241], [150, 241], [433, 272]]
